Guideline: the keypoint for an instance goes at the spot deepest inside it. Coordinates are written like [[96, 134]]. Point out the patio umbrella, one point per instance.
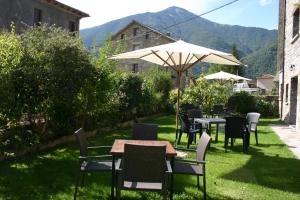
[[225, 76], [180, 56]]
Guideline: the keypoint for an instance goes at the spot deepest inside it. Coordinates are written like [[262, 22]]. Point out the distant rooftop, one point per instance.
[[66, 8]]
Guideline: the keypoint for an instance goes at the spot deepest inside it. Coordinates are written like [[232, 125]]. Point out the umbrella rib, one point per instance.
[[163, 60], [148, 54], [186, 60], [227, 59], [199, 60], [170, 56]]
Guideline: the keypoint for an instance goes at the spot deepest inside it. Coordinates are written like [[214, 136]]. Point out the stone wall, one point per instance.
[[291, 60], [21, 12]]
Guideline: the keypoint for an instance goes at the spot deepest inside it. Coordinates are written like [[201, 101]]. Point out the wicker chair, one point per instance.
[[90, 163], [187, 127], [143, 168], [196, 113], [218, 110], [252, 122], [235, 127], [143, 131], [195, 167]]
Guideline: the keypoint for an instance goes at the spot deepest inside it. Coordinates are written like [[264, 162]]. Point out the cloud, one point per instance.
[[265, 2]]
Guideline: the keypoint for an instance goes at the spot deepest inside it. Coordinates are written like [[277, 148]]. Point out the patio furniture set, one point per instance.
[[193, 121], [143, 163]]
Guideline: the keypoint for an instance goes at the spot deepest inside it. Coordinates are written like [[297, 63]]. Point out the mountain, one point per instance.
[[248, 40]]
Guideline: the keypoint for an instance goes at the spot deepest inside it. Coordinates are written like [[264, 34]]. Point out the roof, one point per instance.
[[265, 76], [66, 8], [145, 26]]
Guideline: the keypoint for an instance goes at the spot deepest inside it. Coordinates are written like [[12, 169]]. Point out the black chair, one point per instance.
[[195, 167], [143, 168], [196, 113], [90, 163], [252, 122], [187, 127], [235, 127], [218, 110], [143, 131]]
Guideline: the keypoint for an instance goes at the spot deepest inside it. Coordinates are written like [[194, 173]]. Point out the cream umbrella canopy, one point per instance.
[[225, 76], [180, 56]]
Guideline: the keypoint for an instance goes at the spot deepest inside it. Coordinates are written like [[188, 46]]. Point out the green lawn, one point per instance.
[[267, 171]]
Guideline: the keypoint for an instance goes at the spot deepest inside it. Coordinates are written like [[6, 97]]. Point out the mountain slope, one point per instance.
[[199, 31]]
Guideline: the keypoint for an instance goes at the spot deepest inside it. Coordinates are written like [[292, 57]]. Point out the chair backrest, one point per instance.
[[252, 120], [184, 122], [218, 109], [144, 163], [235, 127], [81, 139], [194, 113], [143, 131], [203, 146]]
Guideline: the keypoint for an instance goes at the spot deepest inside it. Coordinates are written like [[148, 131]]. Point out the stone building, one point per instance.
[[265, 82], [138, 36], [25, 13], [288, 62]]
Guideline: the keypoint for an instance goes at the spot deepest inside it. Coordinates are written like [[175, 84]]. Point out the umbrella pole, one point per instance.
[[177, 106]]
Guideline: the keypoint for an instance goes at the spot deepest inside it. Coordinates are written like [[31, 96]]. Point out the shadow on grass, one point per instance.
[[268, 171]]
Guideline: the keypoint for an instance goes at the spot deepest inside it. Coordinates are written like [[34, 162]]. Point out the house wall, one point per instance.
[[265, 83], [21, 12], [291, 68], [140, 40]]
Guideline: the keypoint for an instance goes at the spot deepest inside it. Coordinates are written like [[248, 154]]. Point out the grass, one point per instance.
[[267, 171]]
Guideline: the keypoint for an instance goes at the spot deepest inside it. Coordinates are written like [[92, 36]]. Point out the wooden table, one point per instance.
[[117, 150], [209, 122]]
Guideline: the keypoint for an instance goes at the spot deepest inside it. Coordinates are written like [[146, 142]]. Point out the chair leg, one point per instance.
[[256, 137], [204, 186], [190, 139], [198, 183], [226, 142], [232, 142], [76, 186], [180, 134]]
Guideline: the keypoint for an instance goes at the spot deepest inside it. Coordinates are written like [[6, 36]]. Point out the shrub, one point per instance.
[[205, 94], [266, 109], [242, 103]]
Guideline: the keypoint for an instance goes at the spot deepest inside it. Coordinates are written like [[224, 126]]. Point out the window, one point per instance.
[[72, 26], [135, 47], [286, 93], [147, 35], [37, 16], [296, 23], [135, 31], [135, 67], [123, 36]]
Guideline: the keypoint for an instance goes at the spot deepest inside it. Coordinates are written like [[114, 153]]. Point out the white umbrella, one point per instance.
[[180, 56], [225, 76]]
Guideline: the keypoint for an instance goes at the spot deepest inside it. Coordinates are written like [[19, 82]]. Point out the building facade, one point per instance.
[[138, 36], [265, 82], [24, 13], [288, 61]]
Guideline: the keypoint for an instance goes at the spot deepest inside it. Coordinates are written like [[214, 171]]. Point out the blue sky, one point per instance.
[[256, 13]]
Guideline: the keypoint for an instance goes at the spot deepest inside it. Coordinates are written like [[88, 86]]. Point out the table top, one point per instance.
[[118, 146], [210, 120]]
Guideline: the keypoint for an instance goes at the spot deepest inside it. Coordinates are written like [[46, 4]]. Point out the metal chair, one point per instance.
[[252, 121], [195, 167], [196, 113], [187, 127], [143, 168], [217, 110], [235, 127], [143, 131], [86, 163]]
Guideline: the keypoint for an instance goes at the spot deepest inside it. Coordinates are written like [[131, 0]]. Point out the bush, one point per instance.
[[267, 109], [242, 103], [205, 94]]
